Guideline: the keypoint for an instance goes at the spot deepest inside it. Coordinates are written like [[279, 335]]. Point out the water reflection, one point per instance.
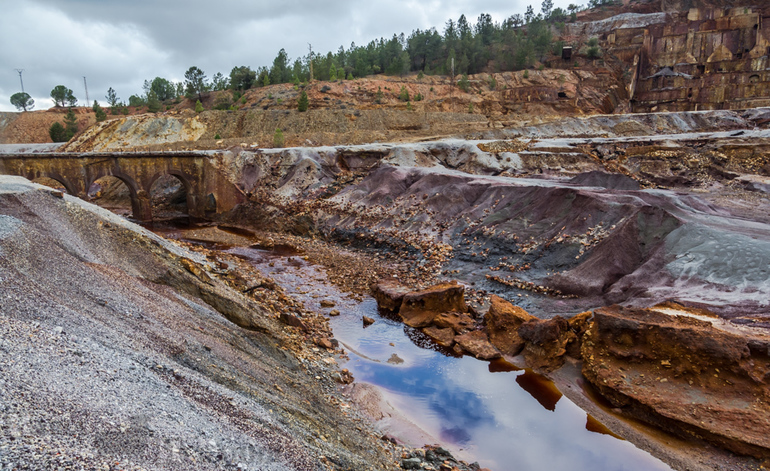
[[512, 419], [494, 413], [540, 388]]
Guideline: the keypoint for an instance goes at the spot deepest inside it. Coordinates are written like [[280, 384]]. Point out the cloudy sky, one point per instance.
[[119, 43]]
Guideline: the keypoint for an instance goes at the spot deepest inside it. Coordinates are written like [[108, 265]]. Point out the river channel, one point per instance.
[[496, 414]]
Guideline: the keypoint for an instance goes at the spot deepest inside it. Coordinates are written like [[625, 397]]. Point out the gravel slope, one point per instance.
[[110, 359]]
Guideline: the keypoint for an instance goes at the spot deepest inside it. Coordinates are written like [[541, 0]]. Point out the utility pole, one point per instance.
[[86, 86], [20, 80]]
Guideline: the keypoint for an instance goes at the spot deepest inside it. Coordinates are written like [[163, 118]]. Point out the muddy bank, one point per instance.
[[121, 349]]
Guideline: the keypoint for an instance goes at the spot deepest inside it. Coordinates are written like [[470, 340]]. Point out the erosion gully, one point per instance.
[[493, 413]]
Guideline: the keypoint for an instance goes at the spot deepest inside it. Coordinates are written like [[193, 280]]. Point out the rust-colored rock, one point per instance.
[[294, 321], [477, 344], [502, 323], [459, 322], [389, 294], [688, 373], [420, 308], [546, 342], [444, 337], [196, 269], [579, 324], [324, 343]]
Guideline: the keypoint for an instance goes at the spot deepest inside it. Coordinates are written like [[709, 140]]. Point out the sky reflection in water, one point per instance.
[[482, 416]]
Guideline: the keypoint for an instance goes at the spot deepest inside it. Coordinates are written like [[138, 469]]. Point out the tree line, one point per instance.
[[462, 48]]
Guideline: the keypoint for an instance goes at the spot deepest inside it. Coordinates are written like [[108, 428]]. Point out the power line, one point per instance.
[[20, 80]]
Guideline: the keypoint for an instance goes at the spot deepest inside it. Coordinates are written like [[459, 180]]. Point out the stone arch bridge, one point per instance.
[[208, 191]]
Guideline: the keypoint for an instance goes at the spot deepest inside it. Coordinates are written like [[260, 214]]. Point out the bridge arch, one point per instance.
[[71, 189], [140, 199], [185, 182]]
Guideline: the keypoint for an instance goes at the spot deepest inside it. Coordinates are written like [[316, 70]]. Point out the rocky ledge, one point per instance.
[[684, 370]]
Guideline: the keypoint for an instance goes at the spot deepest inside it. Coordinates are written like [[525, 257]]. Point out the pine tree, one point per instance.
[[153, 103], [57, 132], [101, 115], [198, 106], [22, 101], [70, 124], [302, 104]]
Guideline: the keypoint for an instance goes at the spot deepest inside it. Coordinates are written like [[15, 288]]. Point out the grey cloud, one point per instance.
[[120, 44]]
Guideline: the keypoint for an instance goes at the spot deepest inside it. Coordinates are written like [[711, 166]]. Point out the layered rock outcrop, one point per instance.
[[684, 370]]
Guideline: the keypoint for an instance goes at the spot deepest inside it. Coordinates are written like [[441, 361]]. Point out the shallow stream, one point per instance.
[[503, 417]]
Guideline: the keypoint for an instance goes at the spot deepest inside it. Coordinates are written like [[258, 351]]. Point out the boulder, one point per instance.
[[477, 344], [389, 294], [420, 308], [459, 322], [294, 321], [444, 337], [546, 342], [502, 324]]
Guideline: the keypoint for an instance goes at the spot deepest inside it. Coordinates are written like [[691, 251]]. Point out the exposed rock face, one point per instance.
[[704, 58], [389, 294], [459, 322], [684, 370], [502, 323], [444, 337], [420, 308], [477, 344], [546, 342]]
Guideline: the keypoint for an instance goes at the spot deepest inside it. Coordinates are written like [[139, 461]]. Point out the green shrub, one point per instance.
[[57, 132], [222, 103], [217, 137], [464, 84], [302, 103], [403, 95], [101, 115], [418, 97], [198, 106], [278, 138]]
